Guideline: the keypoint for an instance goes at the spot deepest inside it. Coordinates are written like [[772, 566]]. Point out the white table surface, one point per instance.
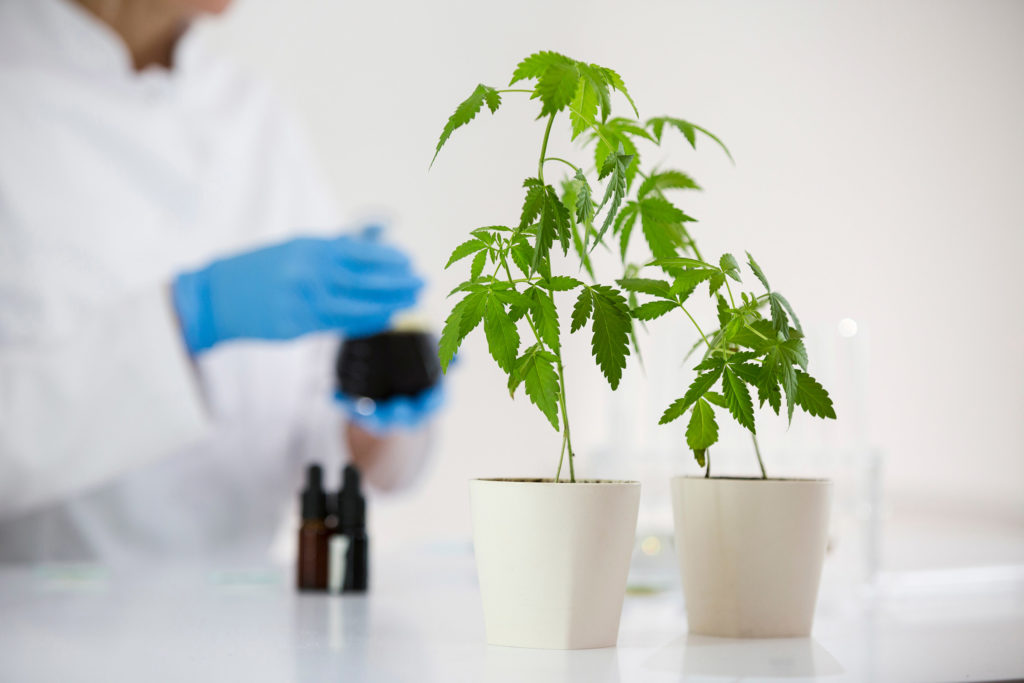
[[422, 622]]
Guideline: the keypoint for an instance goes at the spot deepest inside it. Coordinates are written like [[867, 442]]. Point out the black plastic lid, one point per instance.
[[314, 498], [351, 504], [388, 364]]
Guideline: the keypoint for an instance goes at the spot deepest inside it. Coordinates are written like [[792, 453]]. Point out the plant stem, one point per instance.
[[729, 289], [562, 403], [567, 163], [696, 325], [544, 149], [757, 449], [707, 461], [515, 90]]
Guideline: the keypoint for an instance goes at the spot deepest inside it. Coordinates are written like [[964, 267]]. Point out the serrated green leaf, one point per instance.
[[768, 384], [730, 267], [666, 180], [477, 267], [534, 66], [591, 92], [716, 398], [696, 390], [652, 310], [537, 371], [557, 85], [545, 316], [467, 111], [737, 398], [615, 190], [623, 226], [779, 320], [758, 272], [582, 309], [502, 335], [682, 262], [611, 325], [585, 209], [617, 135], [465, 249], [561, 283], [559, 216], [533, 203], [646, 286], [812, 397], [662, 225], [702, 431], [616, 82], [748, 372], [464, 317], [689, 131], [687, 280], [785, 303]]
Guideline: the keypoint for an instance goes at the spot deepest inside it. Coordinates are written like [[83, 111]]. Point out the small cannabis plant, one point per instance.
[[511, 285]]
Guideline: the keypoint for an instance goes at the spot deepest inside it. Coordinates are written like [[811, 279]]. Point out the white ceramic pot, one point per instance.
[[553, 559], [750, 553]]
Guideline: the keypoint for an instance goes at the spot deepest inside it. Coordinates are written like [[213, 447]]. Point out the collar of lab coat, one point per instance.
[[92, 46]]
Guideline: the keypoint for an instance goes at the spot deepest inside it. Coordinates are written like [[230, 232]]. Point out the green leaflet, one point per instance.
[[689, 131], [615, 166], [467, 111], [666, 180], [697, 389], [581, 309], [536, 369], [758, 272], [730, 267], [652, 310], [702, 431], [662, 225], [465, 316], [545, 316], [624, 223], [465, 249], [645, 285], [812, 397], [502, 335], [611, 326], [477, 267], [737, 398], [796, 322]]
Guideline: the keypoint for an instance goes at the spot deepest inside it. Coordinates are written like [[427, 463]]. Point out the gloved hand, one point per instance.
[[400, 412], [351, 284]]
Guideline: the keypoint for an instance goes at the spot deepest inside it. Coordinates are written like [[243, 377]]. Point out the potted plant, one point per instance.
[[552, 554], [750, 549]]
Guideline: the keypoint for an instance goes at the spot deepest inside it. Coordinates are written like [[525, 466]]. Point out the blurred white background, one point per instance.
[[878, 177]]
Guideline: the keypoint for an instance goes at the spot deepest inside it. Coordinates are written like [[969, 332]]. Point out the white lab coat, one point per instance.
[[113, 444]]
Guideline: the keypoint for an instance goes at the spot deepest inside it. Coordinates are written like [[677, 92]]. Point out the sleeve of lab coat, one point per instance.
[[79, 410]]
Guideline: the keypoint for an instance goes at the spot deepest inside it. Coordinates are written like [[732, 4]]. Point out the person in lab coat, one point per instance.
[[172, 289]]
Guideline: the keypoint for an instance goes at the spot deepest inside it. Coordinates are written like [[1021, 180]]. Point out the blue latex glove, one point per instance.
[[351, 284], [401, 412]]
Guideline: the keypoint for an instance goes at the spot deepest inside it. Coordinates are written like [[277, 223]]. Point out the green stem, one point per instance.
[[706, 342], [707, 461], [728, 289], [757, 449], [544, 149], [516, 90], [562, 403], [567, 163]]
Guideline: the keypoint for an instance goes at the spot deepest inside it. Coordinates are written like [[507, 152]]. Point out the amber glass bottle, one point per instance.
[[311, 572]]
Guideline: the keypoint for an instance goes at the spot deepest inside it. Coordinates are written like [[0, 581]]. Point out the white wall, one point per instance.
[[878, 176]]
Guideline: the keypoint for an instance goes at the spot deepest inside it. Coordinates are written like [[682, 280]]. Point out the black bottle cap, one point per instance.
[[351, 504], [394, 363], [314, 499]]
